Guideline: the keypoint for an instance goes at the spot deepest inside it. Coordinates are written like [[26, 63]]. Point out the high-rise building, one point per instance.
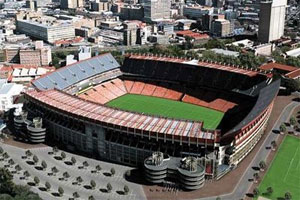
[[156, 9], [221, 28], [271, 20], [71, 4], [130, 33]]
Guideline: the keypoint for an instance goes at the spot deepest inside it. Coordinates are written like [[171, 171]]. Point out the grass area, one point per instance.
[[284, 173], [168, 108]]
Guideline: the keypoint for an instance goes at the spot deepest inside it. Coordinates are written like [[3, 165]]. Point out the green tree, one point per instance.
[[262, 165], [256, 176], [35, 159], [76, 195], [93, 184], [126, 189], [73, 160], [63, 155], [26, 174], [79, 179], [6, 181], [274, 144], [288, 196], [85, 163], [28, 153], [54, 170], [55, 149], [11, 162], [269, 190], [282, 128], [98, 168], [48, 186], [18, 168], [66, 175], [60, 191], [112, 171], [36, 180], [109, 187], [44, 165], [255, 192], [5, 155], [293, 121], [91, 197]]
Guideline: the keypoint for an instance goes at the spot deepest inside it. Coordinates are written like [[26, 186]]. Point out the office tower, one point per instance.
[[156, 9], [271, 20]]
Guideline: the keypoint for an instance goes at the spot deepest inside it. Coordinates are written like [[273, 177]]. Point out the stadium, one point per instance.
[[170, 115]]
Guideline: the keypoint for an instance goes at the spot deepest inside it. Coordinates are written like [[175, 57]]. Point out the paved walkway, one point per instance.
[[117, 181], [244, 185]]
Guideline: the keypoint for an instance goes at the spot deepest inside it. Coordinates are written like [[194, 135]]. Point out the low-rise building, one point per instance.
[[37, 55], [49, 32], [8, 93]]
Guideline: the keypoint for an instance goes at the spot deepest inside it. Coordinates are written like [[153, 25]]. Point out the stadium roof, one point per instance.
[[106, 115], [270, 66], [71, 74], [233, 69], [265, 98]]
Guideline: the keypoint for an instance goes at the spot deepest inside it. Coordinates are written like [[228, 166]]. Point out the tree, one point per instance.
[[262, 165], [274, 144], [269, 190], [255, 192], [54, 170], [55, 149], [48, 186], [256, 177], [26, 174], [218, 198], [5, 155], [73, 160], [66, 175], [98, 168], [28, 153], [44, 164], [36, 180], [288, 196], [282, 128], [93, 184], [63, 155], [18, 168], [91, 197], [293, 121], [76, 195], [112, 171], [292, 84], [85, 163], [79, 179], [35, 159], [6, 181], [1, 150], [11, 162], [109, 187], [126, 189], [61, 191]]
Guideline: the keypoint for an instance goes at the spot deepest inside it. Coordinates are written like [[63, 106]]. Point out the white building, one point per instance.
[[156, 9], [8, 93], [271, 20]]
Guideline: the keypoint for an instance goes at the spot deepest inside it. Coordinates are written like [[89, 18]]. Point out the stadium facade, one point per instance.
[[71, 102]]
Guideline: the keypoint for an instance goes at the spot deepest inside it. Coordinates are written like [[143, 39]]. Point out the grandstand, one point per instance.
[[85, 94]]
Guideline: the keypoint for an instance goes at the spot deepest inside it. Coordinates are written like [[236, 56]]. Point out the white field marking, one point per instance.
[[290, 164]]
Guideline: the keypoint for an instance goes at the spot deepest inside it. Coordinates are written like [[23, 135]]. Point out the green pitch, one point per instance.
[[284, 174], [168, 108]]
